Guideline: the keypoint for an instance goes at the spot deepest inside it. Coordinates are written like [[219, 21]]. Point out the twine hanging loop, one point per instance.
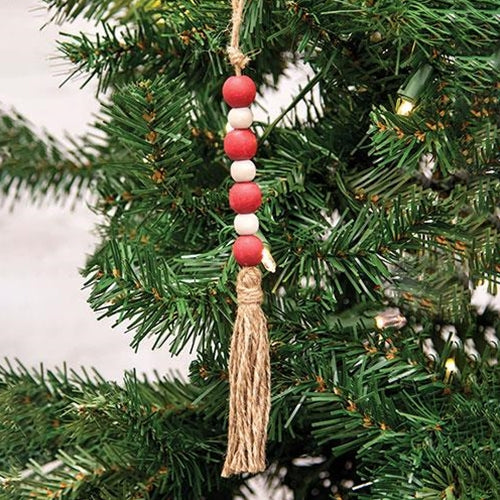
[[237, 58]]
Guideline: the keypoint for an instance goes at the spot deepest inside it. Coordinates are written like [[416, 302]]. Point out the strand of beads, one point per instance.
[[240, 145]]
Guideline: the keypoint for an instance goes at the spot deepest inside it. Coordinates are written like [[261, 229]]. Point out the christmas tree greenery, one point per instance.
[[381, 212]]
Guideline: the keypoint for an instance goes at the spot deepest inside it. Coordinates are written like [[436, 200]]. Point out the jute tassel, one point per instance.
[[249, 380]]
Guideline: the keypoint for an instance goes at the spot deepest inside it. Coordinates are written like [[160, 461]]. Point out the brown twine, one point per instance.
[[237, 59], [249, 380]]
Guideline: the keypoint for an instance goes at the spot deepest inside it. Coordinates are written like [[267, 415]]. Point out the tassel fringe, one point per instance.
[[249, 380]]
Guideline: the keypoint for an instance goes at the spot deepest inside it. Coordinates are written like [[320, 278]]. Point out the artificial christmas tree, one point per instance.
[[379, 209]]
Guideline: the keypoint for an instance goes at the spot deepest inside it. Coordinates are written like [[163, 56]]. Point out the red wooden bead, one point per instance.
[[239, 91], [247, 250], [240, 144], [245, 197]]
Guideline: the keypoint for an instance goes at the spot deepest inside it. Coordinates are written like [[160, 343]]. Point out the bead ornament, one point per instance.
[[246, 224], [245, 197], [240, 144], [243, 171], [240, 118], [249, 371], [247, 250], [239, 91]]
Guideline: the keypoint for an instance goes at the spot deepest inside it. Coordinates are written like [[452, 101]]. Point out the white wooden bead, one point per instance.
[[240, 117], [246, 224], [243, 171]]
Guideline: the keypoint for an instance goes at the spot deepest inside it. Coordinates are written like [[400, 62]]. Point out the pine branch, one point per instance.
[[69, 10], [172, 39], [39, 164], [117, 442]]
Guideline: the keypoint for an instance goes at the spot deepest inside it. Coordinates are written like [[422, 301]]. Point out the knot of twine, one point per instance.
[[238, 59], [248, 286]]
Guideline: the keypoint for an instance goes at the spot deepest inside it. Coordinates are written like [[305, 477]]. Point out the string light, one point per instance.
[[429, 351], [451, 369], [450, 365], [410, 93], [449, 334], [491, 338], [470, 350], [404, 107], [390, 318], [427, 165]]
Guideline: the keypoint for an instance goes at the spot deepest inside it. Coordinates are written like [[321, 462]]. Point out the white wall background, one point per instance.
[[44, 316]]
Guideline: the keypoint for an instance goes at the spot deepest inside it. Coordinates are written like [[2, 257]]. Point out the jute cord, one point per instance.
[[238, 59], [249, 380]]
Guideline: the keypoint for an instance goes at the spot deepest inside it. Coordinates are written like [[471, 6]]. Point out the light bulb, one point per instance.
[[391, 317], [404, 107], [471, 351], [491, 338], [451, 369], [450, 365], [429, 351], [449, 334], [410, 93]]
